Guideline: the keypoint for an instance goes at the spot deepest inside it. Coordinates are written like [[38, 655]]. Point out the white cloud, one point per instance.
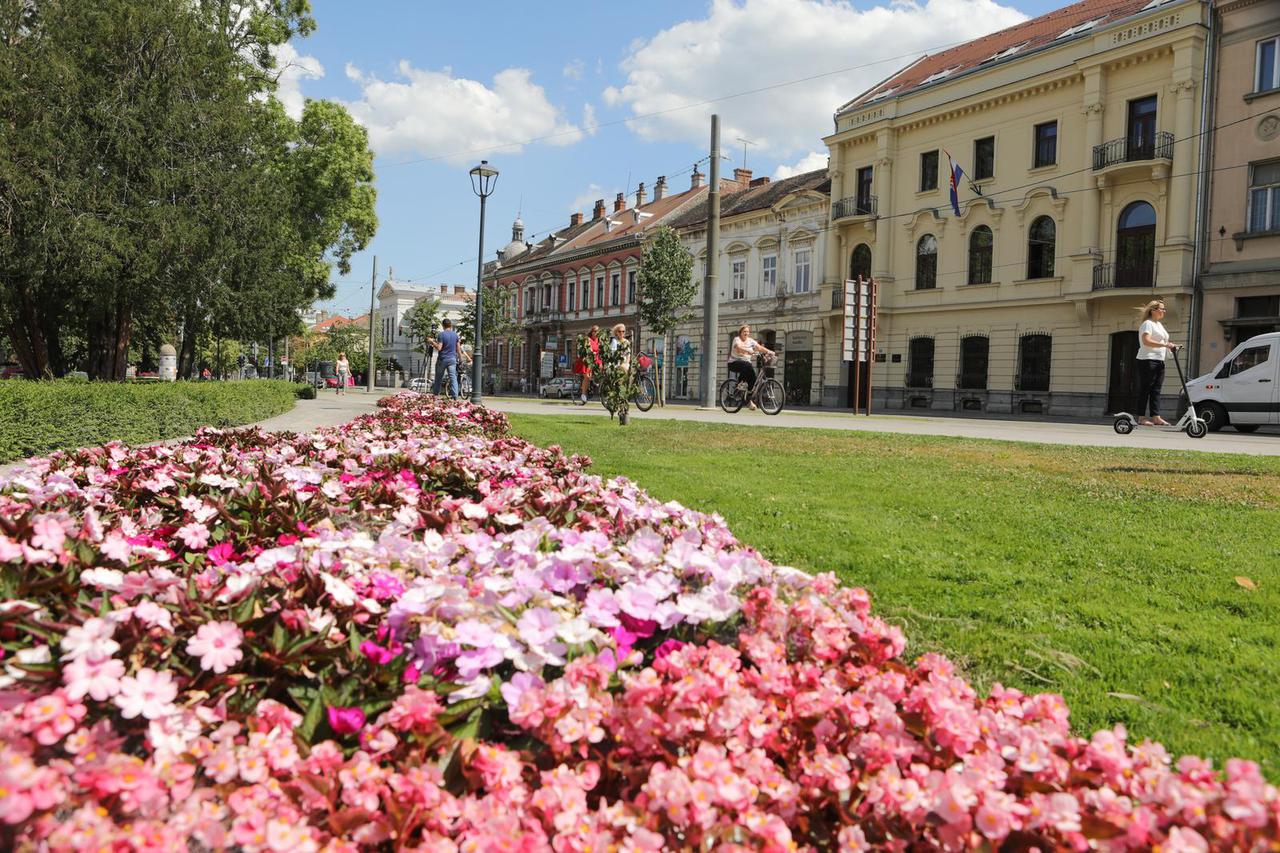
[[741, 46], [810, 162], [293, 68], [589, 123], [435, 114], [573, 70], [586, 200]]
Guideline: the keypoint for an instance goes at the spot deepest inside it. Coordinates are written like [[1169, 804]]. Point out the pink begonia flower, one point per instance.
[[345, 721], [10, 551], [221, 554], [194, 535], [1184, 840], [90, 640], [217, 644], [48, 533], [97, 678], [149, 693]]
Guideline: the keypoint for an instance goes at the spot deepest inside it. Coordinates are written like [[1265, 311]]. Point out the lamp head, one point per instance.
[[483, 178]]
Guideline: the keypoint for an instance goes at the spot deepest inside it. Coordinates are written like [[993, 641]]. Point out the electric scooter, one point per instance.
[[1190, 423]]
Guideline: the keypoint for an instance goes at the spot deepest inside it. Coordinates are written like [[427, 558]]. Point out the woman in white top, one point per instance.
[[343, 369], [741, 350], [1154, 345]]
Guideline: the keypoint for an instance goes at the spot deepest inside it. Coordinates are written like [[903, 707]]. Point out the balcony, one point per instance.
[[1108, 277], [848, 208], [540, 316], [1123, 152]]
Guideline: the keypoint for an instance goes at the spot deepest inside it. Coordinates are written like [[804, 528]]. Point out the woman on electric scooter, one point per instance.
[[1153, 348]]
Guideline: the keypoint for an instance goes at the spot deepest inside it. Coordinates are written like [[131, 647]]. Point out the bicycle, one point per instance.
[[769, 393], [646, 388]]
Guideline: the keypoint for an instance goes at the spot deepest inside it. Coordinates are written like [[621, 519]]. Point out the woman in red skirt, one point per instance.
[[588, 359]]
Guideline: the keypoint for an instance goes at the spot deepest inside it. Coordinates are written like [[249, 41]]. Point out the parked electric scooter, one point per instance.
[[1190, 423]]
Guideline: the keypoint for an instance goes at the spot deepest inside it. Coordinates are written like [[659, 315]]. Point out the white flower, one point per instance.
[[91, 640]]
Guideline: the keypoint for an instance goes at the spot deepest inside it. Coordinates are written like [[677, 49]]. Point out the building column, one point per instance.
[[1089, 238], [1180, 183], [883, 183], [831, 246]]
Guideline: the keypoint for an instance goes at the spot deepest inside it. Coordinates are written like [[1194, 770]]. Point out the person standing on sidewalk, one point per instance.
[[343, 368], [446, 347], [1153, 348]]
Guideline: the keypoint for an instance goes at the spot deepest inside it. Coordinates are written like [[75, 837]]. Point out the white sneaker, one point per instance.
[[583, 397]]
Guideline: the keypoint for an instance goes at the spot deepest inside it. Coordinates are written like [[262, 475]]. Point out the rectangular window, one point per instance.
[[768, 275], [571, 295], [804, 264], [863, 199], [1264, 197], [928, 171], [631, 286], [615, 287], [984, 158], [1267, 75], [739, 279], [586, 293], [1046, 153], [599, 291]]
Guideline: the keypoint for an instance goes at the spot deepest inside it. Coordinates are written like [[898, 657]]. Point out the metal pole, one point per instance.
[[373, 286], [477, 356], [710, 290]]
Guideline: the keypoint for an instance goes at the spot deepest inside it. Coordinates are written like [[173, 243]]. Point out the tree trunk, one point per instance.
[[109, 334]]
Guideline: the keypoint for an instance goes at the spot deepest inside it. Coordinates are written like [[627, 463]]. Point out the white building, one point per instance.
[[395, 298]]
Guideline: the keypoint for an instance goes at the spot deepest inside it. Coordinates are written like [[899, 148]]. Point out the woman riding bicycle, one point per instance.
[[741, 350]]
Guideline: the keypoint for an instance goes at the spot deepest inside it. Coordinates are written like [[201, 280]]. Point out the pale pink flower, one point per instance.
[[90, 640], [48, 533], [194, 535], [149, 693], [217, 644], [98, 678]]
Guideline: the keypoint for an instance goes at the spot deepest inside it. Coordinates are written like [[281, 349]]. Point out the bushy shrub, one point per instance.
[[305, 390], [40, 417]]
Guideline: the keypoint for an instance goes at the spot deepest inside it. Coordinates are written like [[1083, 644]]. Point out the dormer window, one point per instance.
[[939, 75], [1004, 54], [1078, 29], [886, 93]]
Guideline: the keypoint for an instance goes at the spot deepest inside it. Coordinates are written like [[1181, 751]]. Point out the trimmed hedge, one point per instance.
[[40, 417]]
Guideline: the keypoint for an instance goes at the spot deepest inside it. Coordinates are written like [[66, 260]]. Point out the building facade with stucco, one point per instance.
[[392, 335], [1078, 132]]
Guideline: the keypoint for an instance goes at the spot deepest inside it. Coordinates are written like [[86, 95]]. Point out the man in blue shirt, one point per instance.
[[446, 347]]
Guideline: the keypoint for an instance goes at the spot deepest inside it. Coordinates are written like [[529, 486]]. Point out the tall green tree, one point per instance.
[[422, 322], [499, 323], [666, 290]]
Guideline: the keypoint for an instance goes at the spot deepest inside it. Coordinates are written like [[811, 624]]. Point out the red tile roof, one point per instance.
[[334, 322], [1017, 40]]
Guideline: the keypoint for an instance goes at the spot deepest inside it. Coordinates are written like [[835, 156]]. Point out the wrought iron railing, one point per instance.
[[837, 296], [1108, 276], [1128, 151], [854, 206]]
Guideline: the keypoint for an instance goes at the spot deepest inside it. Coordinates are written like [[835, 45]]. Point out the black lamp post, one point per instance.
[[483, 177]]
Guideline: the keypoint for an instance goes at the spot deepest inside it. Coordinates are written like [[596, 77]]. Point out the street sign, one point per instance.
[[548, 364], [860, 336]]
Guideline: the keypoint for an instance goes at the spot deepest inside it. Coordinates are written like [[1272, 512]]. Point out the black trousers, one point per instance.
[[744, 371], [1150, 381]]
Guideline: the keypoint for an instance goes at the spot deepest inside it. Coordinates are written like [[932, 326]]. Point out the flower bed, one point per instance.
[[414, 631]]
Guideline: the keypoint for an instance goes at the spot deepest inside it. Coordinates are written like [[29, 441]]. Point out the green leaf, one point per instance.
[[312, 718]]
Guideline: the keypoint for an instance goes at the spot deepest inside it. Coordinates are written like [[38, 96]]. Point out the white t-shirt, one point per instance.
[[1155, 330], [742, 350]]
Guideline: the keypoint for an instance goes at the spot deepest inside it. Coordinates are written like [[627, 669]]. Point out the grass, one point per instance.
[[1109, 576]]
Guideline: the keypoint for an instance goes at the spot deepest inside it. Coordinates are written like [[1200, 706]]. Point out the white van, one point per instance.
[[1244, 388]]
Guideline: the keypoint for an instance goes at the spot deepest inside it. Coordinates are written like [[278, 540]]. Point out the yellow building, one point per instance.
[[1241, 282], [1079, 135]]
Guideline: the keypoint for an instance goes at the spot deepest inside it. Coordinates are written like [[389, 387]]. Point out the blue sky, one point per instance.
[[606, 90]]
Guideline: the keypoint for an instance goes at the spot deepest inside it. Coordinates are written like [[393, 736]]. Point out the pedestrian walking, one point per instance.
[[588, 359], [446, 347], [343, 367], [1153, 348]]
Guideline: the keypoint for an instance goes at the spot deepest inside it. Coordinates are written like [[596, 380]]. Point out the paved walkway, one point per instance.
[[1085, 434], [327, 409]]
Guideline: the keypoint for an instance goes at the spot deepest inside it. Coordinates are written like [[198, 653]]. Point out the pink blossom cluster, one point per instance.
[[417, 632]]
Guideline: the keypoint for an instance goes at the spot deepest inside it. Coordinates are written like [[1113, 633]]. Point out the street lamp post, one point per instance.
[[483, 178]]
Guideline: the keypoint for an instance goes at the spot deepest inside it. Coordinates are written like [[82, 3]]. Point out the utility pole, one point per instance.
[[710, 291], [373, 287]]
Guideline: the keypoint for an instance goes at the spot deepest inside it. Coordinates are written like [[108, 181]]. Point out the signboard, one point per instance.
[[860, 336], [564, 360], [552, 341], [548, 364]]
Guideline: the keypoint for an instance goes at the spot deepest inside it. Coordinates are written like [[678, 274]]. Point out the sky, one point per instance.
[[576, 102]]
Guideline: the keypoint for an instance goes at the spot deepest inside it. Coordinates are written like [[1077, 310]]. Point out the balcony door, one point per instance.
[[1136, 246], [1122, 383], [863, 199], [1141, 135]]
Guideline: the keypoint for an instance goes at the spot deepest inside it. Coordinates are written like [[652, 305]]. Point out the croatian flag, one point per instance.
[[956, 174]]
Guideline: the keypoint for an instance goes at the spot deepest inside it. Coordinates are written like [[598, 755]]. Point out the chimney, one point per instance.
[[696, 181], [444, 288], [459, 290], [742, 177], [575, 219], [660, 188], [598, 213], [620, 202], [640, 195], [759, 182]]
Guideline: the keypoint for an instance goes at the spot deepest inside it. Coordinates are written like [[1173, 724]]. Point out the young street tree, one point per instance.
[[666, 289], [499, 325], [422, 322]]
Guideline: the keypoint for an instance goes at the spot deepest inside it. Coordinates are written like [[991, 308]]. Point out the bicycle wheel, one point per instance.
[[646, 393], [730, 400], [771, 397]]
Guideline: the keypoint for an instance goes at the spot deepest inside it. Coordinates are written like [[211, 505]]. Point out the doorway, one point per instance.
[[1122, 382], [1141, 136], [797, 368]]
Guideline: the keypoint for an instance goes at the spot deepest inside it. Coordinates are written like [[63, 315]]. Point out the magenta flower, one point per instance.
[[345, 721], [221, 554]]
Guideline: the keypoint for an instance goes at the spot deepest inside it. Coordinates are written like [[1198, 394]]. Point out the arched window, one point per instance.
[[1136, 246], [920, 363], [1041, 246], [927, 263], [860, 262], [1035, 354], [973, 362], [980, 242]]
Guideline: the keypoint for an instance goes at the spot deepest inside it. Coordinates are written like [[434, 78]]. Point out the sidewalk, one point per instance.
[[1067, 433]]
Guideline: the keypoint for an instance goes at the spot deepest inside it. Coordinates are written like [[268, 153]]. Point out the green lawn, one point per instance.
[[1108, 576]]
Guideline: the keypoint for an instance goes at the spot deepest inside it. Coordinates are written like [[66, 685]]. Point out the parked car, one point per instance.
[[1243, 389], [419, 384], [559, 387], [11, 371]]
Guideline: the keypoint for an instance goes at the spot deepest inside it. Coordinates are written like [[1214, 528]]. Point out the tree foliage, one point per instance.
[[666, 288], [499, 323], [151, 187], [422, 323]]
